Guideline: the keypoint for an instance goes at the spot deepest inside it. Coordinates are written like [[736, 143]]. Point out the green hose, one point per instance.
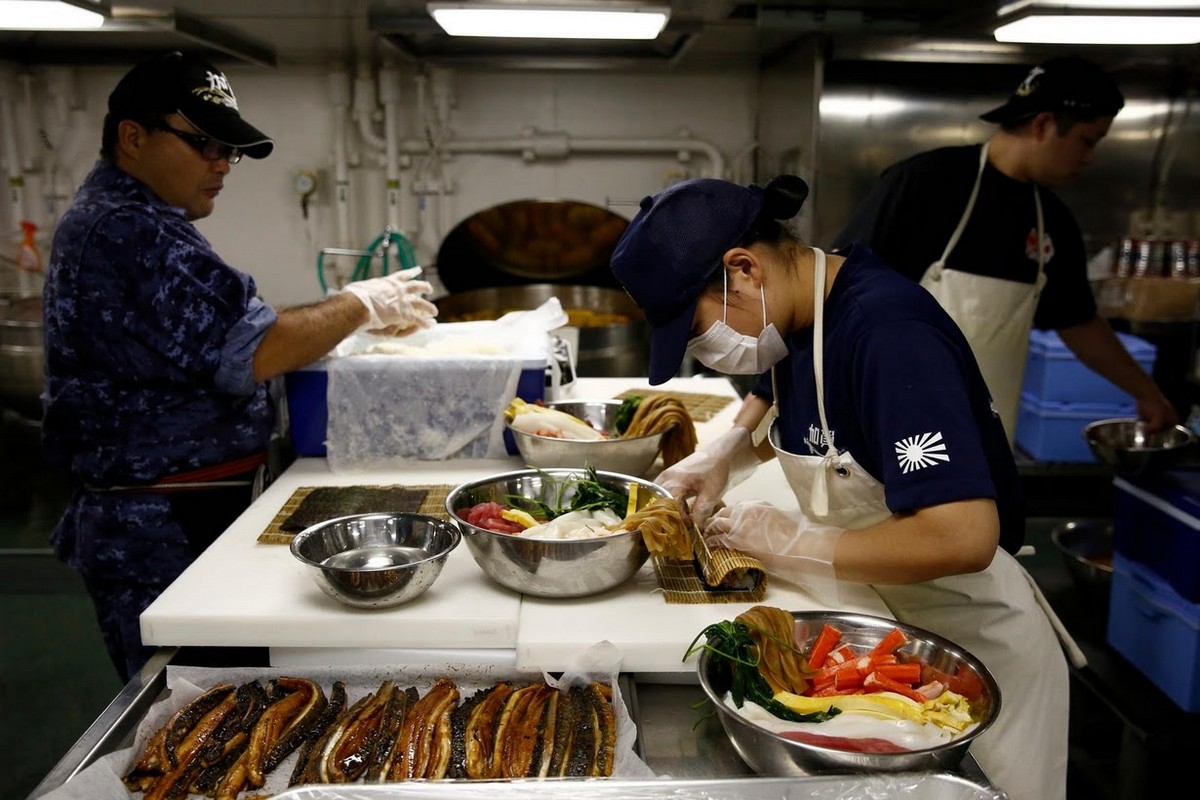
[[382, 243]]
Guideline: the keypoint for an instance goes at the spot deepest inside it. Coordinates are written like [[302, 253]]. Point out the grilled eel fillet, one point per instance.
[[422, 750], [538, 731], [337, 702], [162, 752], [297, 705]]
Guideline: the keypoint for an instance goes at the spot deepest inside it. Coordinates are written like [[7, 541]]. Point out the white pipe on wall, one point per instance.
[[389, 95], [537, 144], [339, 96], [364, 108]]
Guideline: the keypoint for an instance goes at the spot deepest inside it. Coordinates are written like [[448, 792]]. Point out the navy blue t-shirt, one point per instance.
[[903, 394]]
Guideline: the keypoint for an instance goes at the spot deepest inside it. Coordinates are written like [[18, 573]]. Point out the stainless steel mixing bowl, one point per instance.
[[768, 753], [376, 560], [550, 568], [627, 456], [1087, 549], [1132, 450]]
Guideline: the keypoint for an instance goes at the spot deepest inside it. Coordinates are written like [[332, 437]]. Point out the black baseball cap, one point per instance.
[[671, 249], [1069, 84], [196, 90]]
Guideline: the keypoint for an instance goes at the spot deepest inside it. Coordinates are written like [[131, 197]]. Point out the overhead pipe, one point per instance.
[[534, 145]]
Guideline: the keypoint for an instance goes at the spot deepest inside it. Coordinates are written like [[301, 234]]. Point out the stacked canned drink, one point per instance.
[[1155, 257]]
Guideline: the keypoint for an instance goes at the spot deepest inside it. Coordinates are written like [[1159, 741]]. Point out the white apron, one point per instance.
[[995, 314], [994, 614]]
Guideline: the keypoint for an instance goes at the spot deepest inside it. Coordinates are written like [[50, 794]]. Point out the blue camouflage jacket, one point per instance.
[[149, 341], [149, 338]]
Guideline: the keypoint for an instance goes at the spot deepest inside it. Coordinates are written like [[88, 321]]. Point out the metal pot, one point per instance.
[[21, 354], [613, 336]]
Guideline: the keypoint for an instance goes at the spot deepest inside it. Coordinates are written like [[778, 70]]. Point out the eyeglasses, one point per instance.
[[208, 148]]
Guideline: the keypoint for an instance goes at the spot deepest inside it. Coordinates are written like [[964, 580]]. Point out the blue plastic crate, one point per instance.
[[1157, 630], [308, 413], [1156, 522], [1054, 431], [1054, 375]]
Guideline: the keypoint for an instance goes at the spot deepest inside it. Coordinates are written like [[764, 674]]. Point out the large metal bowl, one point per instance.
[[1087, 549], [550, 568], [376, 560], [768, 753], [1132, 450], [627, 456]]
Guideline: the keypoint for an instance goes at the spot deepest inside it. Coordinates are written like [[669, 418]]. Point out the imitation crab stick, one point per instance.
[[826, 640]]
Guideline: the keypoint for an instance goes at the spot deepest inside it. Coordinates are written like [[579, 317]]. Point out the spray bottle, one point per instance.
[[29, 258]]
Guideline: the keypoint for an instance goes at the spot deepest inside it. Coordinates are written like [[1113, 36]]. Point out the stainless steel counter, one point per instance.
[[675, 737]]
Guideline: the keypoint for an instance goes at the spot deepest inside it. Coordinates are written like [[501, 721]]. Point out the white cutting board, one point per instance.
[[651, 634], [242, 593]]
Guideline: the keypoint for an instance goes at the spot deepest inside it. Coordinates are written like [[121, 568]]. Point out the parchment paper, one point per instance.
[[102, 780]]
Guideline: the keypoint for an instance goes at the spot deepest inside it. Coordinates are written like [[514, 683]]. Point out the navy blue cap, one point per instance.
[[184, 84], [669, 252], [1067, 84]]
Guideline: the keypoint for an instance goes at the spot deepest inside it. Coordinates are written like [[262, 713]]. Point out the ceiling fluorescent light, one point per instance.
[[547, 21], [1109, 22], [47, 15]]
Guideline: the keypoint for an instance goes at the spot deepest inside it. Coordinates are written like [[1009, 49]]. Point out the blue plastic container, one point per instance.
[[1156, 523], [1054, 431], [1054, 375], [1157, 630], [308, 413]]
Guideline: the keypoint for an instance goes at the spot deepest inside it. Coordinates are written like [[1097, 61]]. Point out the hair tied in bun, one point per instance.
[[784, 195]]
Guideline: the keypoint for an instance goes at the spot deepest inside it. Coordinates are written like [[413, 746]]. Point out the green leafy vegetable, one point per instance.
[[731, 643], [590, 494], [625, 414]]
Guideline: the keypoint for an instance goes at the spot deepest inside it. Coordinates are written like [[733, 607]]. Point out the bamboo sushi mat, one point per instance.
[[712, 576], [432, 503], [700, 407]]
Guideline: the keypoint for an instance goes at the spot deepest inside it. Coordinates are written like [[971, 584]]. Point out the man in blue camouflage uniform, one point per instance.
[[158, 352]]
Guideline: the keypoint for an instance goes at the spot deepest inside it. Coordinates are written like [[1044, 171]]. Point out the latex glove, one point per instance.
[[395, 300], [710, 472], [791, 547]]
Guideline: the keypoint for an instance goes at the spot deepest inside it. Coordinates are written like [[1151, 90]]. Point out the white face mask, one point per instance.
[[723, 349]]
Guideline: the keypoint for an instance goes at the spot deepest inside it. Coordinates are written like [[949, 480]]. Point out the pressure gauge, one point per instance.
[[305, 183]]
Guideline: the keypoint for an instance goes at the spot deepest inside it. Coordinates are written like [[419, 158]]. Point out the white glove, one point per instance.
[[710, 472], [395, 300], [795, 549]]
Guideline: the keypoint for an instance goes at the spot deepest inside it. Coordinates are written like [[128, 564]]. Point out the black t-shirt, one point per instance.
[[912, 211]]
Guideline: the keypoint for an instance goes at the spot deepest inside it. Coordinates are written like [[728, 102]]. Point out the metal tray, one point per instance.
[[912, 786]]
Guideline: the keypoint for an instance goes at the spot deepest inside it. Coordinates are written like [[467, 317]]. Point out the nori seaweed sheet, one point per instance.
[[330, 502]]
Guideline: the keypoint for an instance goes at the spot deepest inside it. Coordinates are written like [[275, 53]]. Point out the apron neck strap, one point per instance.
[[962, 222], [819, 344]]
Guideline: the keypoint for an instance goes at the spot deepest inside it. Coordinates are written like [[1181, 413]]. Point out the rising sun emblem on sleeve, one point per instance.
[[918, 452]]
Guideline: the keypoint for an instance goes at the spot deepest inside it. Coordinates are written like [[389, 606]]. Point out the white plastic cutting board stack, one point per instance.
[[241, 593]]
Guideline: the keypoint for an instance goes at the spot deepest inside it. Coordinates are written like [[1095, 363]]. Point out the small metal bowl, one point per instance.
[[1132, 450], [376, 560], [1087, 549], [627, 456], [768, 753], [550, 568]]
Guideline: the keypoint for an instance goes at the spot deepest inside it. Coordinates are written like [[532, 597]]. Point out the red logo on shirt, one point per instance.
[[1031, 246]]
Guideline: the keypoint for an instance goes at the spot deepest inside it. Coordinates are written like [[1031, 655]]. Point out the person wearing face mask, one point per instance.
[[884, 428]]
